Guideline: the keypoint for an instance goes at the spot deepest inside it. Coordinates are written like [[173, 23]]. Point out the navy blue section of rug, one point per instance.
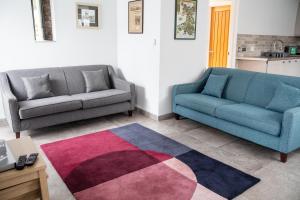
[[217, 176]]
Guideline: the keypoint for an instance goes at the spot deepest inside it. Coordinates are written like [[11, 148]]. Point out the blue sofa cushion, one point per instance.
[[254, 117], [263, 87], [286, 97], [237, 84], [202, 103], [215, 85]]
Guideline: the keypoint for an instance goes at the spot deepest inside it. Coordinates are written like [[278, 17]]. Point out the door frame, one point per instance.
[[233, 29]]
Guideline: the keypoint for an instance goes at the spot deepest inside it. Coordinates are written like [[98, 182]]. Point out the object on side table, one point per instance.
[[31, 159], [29, 183], [20, 164], [7, 160], [3, 152]]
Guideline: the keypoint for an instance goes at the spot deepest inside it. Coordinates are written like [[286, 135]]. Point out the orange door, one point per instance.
[[219, 36]]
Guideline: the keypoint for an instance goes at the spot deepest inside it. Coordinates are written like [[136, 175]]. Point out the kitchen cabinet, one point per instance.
[[252, 65], [288, 67], [284, 67]]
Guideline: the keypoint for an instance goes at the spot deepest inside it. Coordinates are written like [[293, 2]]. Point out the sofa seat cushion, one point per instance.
[[102, 98], [47, 106], [254, 117], [200, 102]]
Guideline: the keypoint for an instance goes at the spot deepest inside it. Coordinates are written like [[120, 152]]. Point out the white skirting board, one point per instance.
[[153, 116]]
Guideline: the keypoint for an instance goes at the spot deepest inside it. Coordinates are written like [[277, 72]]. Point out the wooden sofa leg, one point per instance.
[[177, 117], [283, 157], [17, 135], [130, 113]]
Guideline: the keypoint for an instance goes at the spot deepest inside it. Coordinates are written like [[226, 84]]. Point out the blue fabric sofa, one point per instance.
[[242, 109]]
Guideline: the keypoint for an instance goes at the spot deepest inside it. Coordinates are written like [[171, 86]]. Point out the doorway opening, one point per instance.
[[220, 28]]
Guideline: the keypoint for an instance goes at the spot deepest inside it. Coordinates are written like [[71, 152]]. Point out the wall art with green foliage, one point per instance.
[[185, 19]]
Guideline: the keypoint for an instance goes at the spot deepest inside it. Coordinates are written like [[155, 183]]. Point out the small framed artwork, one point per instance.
[[87, 15], [185, 19], [136, 17]]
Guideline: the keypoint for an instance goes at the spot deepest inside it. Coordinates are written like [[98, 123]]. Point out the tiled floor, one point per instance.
[[278, 181]]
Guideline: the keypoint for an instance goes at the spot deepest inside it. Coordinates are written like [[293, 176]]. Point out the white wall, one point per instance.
[[155, 69], [181, 61], [268, 17], [298, 21], [73, 46], [138, 54]]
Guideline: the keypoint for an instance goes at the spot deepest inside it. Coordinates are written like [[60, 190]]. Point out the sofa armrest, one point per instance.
[[190, 87], [290, 133], [125, 86], [10, 104]]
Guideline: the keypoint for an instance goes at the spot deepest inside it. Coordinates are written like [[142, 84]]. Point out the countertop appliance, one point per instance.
[[291, 50]]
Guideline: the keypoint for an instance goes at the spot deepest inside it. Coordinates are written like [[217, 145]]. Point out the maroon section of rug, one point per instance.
[[107, 167]]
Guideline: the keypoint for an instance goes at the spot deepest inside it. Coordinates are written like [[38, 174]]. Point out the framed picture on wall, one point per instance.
[[87, 15], [135, 17], [185, 19]]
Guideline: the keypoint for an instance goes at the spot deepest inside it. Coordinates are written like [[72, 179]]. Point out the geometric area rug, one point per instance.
[[133, 162]]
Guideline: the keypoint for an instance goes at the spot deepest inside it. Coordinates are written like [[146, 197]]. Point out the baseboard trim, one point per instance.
[[3, 122], [153, 116], [166, 116], [147, 114]]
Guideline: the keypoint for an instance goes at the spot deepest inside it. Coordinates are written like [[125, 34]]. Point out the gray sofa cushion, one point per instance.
[[75, 79], [57, 81], [199, 102], [94, 81], [38, 87], [48, 106], [102, 98], [254, 117]]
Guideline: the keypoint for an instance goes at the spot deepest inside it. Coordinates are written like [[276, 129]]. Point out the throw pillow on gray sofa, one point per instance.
[[37, 87], [94, 81]]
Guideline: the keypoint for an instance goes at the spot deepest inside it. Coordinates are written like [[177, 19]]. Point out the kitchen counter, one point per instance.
[[261, 58]]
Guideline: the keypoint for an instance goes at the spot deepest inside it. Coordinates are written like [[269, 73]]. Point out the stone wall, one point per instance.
[[256, 44], [47, 19]]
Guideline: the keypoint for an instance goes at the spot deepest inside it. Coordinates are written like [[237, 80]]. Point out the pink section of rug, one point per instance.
[[181, 168], [62, 153], [155, 182], [202, 192]]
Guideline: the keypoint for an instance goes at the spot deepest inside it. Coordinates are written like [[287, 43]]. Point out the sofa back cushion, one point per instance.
[[215, 85], [285, 98], [263, 86], [38, 87], [75, 79], [57, 81], [237, 83]]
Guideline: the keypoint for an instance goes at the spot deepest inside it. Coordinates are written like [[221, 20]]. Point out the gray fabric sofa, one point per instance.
[[70, 101]]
